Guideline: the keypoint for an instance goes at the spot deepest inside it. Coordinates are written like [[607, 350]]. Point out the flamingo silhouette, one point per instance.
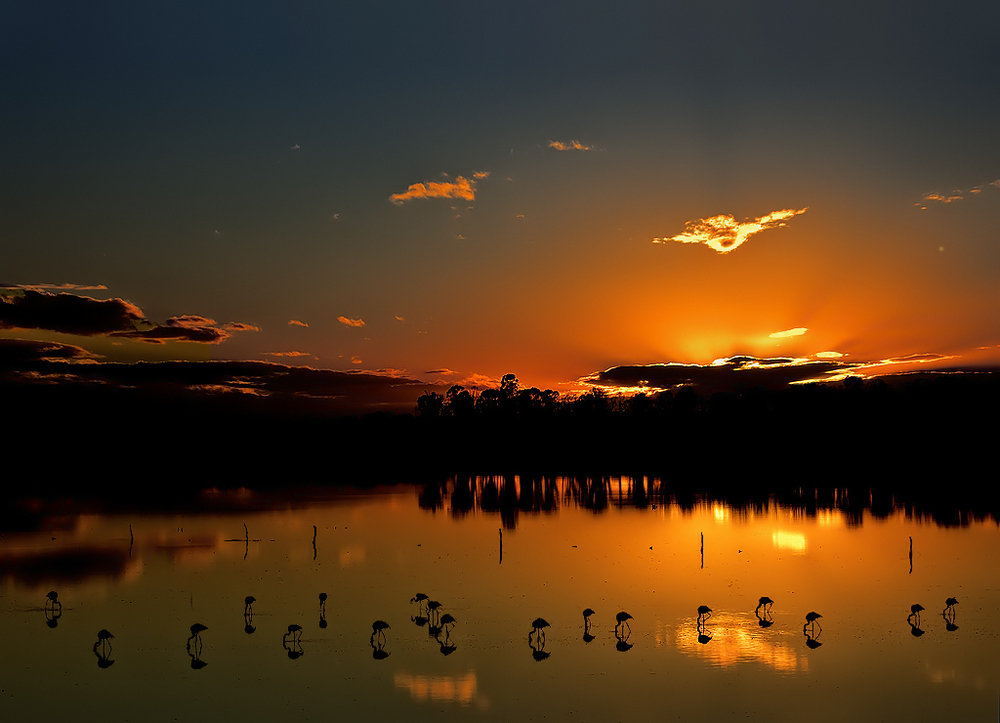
[[295, 631], [623, 618], [249, 600], [419, 598], [765, 602], [537, 627], [322, 601], [915, 613], [704, 612], [104, 638], [949, 615], [378, 629], [587, 637], [811, 623], [447, 620], [196, 630], [52, 599]]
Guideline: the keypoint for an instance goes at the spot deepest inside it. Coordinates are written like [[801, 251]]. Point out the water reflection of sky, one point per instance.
[[148, 577]]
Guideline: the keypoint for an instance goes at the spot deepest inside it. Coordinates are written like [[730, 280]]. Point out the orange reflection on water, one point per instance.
[[462, 689], [734, 639], [792, 541]]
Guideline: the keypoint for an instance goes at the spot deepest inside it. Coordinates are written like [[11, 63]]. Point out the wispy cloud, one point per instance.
[[296, 322], [724, 233], [461, 187], [571, 146], [797, 331], [290, 354], [60, 287], [444, 372], [956, 195], [357, 323]]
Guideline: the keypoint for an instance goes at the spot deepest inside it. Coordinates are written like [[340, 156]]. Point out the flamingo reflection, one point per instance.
[[538, 646], [248, 626], [196, 630], [292, 642], [703, 635], [621, 638], [102, 648], [949, 615]]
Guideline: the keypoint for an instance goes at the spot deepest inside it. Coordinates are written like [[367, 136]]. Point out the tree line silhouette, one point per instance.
[[925, 438]]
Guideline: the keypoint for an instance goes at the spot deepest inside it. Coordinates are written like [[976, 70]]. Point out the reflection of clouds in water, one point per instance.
[[737, 639], [792, 541], [462, 689]]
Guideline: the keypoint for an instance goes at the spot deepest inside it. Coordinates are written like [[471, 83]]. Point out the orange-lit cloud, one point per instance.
[[356, 360], [240, 326], [724, 233], [296, 322], [442, 372], [461, 187], [287, 353], [797, 331], [400, 318], [956, 195], [63, 287], [571, 146], [357, 323], [829, 355]]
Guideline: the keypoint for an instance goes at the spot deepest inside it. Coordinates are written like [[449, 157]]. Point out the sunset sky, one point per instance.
[[447, 192]]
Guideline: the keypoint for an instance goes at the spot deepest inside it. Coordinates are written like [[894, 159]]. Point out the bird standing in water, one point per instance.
[[623, 618], [811, 619], [765, 602], [380, 626], [537, 627], [704, 612]]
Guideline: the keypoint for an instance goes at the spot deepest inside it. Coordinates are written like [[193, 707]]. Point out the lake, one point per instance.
[[497, 554]]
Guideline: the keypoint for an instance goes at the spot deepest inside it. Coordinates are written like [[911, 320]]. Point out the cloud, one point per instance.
[[722, 374], [25, 308], [34, 363], [480, 175], [571, 146], [461, 187], [444, 372], [797, 331], [296, 322], [62, 287], [724, 233], [240, 326], [287, 353], [356, 360], [956, 195], [400, 318], [357, 323]]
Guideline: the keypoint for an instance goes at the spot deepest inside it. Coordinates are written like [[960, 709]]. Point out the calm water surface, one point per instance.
[[372, 551]]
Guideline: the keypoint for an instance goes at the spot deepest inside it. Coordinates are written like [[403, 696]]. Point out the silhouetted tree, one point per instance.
[[430, 404]]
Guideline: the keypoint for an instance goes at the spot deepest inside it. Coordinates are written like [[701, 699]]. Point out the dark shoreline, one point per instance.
[[928, 442]]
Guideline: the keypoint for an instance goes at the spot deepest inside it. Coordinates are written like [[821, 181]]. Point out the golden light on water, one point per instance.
[[727, 640], [793, 541], [460, 689]]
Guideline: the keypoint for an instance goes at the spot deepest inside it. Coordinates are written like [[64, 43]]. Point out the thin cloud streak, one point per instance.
[[724, 233], [571, 146]]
